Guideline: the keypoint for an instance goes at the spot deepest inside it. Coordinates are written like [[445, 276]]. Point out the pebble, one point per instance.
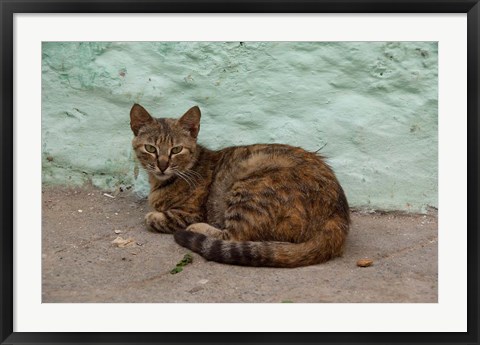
[[364, 262]]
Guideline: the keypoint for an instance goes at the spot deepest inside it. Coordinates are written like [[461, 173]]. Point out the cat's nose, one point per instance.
[[163, 164]]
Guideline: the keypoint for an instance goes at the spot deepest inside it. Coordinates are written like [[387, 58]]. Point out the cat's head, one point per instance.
[[165, 147]]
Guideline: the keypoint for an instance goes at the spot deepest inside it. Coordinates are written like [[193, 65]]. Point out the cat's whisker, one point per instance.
[[192, 177], [152, 170], [195, 173], [193, 181], [184, 177]]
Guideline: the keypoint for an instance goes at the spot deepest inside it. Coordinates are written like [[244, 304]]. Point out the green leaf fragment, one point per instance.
[[176, 270], [187, 259]]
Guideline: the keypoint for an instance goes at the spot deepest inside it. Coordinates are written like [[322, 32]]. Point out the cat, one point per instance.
[[257, 205]]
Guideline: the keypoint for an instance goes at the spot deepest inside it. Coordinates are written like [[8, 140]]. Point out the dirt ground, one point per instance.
[[81, 264]]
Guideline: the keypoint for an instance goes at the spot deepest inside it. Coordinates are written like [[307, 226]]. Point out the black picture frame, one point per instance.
[[9, 7]]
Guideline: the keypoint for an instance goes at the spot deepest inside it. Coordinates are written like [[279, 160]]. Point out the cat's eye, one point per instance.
[[176, 149], [150, 148]]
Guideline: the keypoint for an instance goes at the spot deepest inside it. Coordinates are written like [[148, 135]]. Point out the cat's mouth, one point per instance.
[[163, 175], [158, 173]]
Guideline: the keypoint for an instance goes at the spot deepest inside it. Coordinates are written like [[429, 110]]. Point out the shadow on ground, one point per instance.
[[81, 264]]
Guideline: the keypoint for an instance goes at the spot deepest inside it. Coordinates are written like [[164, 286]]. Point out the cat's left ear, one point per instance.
[[190, 121]]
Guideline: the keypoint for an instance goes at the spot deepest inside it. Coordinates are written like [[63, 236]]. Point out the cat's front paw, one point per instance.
[[157, 222], [208, 230]]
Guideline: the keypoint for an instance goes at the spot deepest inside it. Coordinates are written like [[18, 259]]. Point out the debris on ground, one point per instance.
[[364, 262], [399, 261], [117, 231], [187, 259], [123, 242], [195, 289], [108, 195]]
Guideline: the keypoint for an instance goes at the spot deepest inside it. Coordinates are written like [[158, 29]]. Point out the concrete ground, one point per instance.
[[81, 264]]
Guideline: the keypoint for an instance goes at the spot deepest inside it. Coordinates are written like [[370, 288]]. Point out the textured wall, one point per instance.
[[370, 106]]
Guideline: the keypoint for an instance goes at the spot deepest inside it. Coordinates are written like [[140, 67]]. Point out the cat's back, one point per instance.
[[271, 173], [262, 160]]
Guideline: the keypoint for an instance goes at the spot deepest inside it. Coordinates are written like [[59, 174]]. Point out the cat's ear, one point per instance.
[[190, 121], [139, 117]]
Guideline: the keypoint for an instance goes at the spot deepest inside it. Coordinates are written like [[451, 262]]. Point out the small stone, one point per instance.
[[364, 262], [118, 231]]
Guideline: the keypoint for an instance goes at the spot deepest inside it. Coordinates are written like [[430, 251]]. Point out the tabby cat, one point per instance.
[[257, 205]]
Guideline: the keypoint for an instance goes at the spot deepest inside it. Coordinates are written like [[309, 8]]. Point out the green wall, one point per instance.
[[370, 106]]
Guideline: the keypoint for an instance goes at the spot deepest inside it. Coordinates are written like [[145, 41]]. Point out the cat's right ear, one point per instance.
[[139, 117]]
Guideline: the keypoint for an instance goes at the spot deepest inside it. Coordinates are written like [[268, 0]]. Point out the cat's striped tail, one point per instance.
[[271, 254]]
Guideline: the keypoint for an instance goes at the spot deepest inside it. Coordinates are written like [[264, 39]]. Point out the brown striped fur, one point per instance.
[[257, 205]]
